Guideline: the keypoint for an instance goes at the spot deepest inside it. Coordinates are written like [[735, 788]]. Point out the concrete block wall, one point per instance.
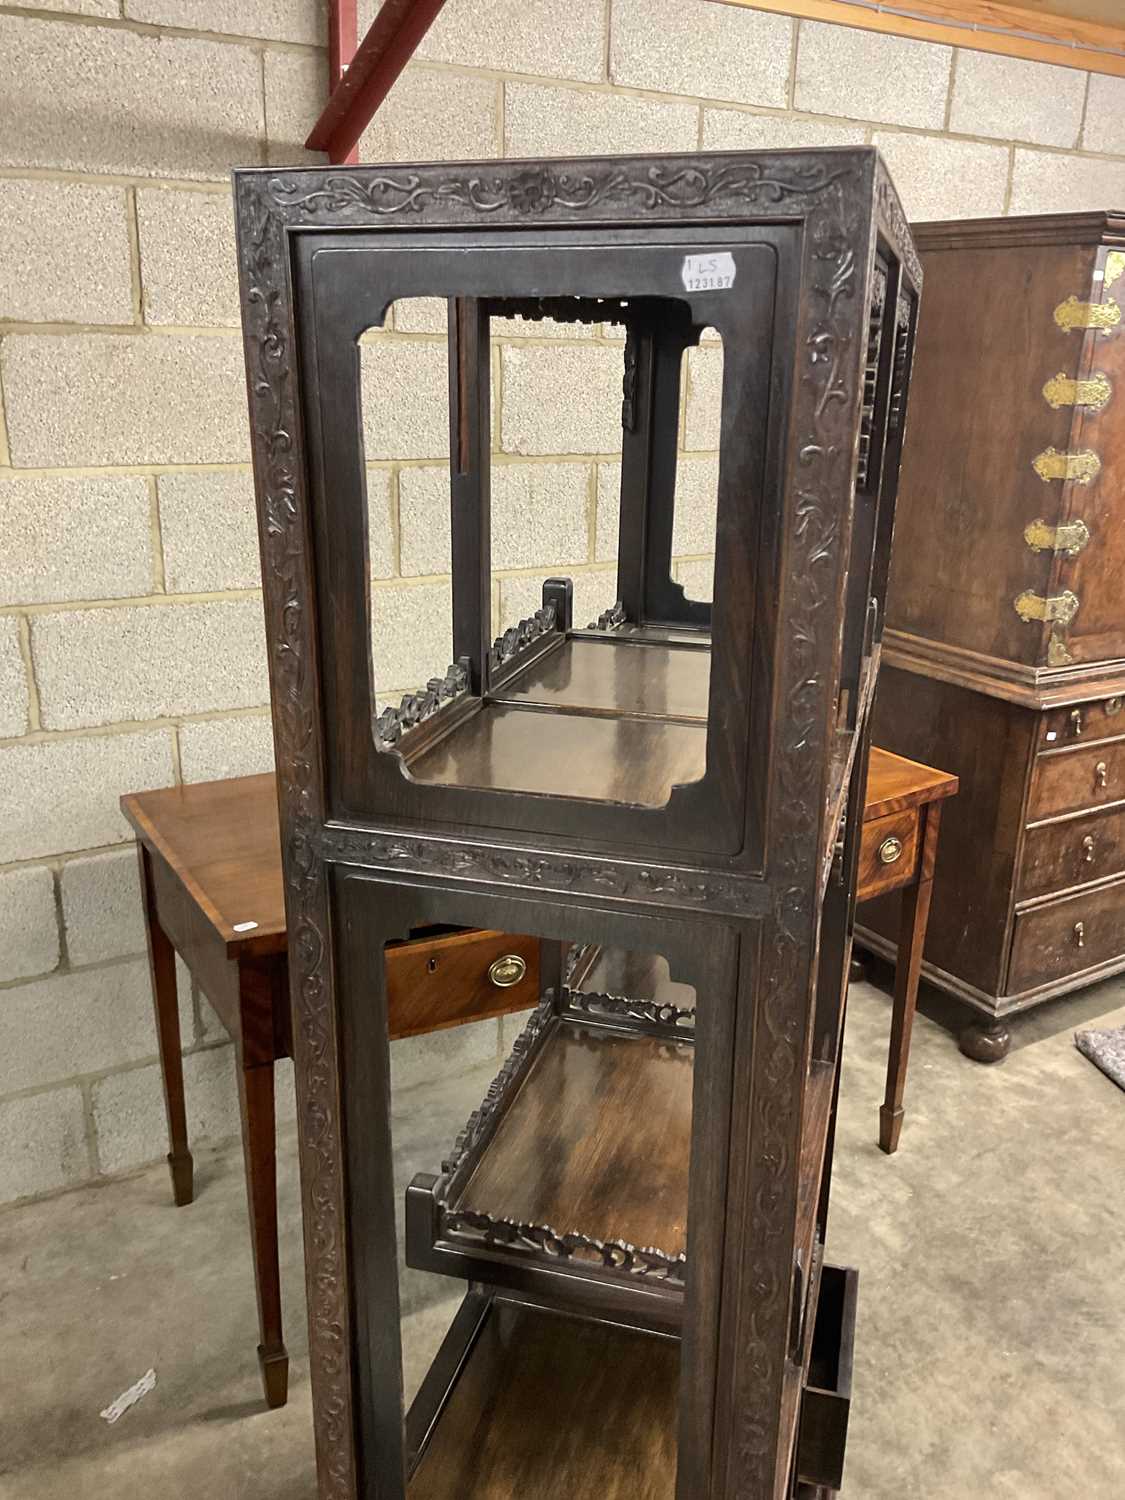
[[131, 646]]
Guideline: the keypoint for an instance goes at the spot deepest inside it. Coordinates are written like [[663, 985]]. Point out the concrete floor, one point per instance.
[[991, 1340]]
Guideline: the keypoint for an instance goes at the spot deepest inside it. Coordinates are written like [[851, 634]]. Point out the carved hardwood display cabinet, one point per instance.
[[636, 1209], [1004, 659]]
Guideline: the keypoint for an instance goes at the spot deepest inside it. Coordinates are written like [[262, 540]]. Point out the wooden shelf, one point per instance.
[[522, 1402], [630, 676], [575, 1167], [618, 718]]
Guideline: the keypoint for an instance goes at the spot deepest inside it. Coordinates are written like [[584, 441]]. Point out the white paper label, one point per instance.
[[708, 273]]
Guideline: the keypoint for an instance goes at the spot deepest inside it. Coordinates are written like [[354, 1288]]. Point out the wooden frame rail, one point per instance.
[[1037, 34]]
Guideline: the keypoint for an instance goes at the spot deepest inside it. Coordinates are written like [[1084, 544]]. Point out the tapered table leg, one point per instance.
[[259, 1147], [162, 969], [908, 968]]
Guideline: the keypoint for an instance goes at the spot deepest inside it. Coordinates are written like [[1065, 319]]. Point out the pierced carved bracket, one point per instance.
[[676, 1019], [393, 723], [609, 619], [481, 1122], [1067, 540], [520, 636], [1082, 467], [1114, 267], [1073, 315], [648, 1264], [1094, 393]]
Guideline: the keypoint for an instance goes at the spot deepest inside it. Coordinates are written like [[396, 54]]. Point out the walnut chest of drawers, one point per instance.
[[1004, 654]]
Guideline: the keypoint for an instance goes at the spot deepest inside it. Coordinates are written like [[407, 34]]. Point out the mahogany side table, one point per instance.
[[898, 850], [210, 864]]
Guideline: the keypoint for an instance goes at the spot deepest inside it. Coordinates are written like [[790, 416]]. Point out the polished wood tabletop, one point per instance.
[[895, 784], [221, 838]]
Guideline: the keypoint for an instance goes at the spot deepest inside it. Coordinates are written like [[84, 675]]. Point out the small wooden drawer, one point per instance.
[[462, 976], [827, 1395], [888, 853], [1074, 780], [1081, 722], [1065, 937], [1059, 856]]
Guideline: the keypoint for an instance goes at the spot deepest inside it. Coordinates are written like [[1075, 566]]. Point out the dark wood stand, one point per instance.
[[674, 779], [1005, 647]]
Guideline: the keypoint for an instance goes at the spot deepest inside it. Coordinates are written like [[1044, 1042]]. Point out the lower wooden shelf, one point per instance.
[[575, 1167], [524, 1403]]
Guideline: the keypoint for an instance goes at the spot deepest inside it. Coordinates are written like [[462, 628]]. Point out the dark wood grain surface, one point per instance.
[[618, 678], [1071, 852], [596, 1140], [551, 1405], [631, 761]]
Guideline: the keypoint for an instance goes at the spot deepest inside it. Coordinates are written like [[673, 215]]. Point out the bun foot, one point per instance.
[[857, 970], [986, 1041]]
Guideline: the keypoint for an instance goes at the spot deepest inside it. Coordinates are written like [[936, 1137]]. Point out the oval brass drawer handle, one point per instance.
[[1101, 776], [507, 970], [890, 850]]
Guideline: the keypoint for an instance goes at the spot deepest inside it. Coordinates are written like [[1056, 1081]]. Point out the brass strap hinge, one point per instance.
[[1114, 267], [1102, 316], [1081, 467], [1057, 609], [1068, 539], [1094, 393]]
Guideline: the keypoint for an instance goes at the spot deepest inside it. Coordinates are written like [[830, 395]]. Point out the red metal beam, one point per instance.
[[361, 83], [343, 39]]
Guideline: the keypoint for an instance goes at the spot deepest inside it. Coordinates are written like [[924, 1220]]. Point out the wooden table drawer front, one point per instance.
[[466, 976], [1077, 780], [1081, 722], [1058, 856], [826, 1398], [888, 853], [1067, 936]]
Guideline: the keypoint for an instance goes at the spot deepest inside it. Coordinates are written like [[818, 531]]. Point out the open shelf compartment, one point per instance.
[[526, 1402], [571, 1179], [616, 714]]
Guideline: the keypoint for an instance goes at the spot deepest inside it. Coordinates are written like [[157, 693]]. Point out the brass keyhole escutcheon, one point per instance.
[[1080, 934], [1076, 721], [431, 966], [1088, 847], [1101, 775], [890, 850], [506, 971]]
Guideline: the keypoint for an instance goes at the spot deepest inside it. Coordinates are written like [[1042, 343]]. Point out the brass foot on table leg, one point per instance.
[[986, 1041], [182, 1169], [274, 1365], [890, 1128]]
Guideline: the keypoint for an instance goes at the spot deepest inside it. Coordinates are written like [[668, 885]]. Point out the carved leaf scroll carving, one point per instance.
[[518, 637]]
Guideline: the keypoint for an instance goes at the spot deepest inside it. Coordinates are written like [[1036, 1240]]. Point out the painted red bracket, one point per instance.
[[362, 77]]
